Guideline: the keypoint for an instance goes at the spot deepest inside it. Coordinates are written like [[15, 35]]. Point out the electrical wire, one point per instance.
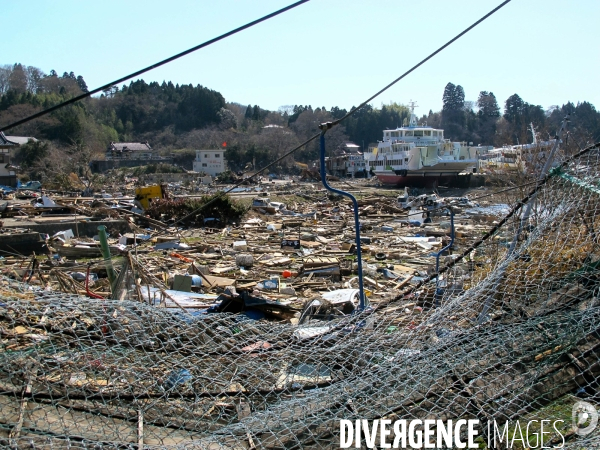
[[153, 66], [338, 121], [423, 61]]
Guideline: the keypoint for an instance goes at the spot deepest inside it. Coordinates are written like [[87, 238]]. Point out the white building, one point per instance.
[[211, 162], [8, 176]]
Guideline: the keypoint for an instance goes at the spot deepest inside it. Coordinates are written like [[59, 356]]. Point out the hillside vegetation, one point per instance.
[[176, 119]]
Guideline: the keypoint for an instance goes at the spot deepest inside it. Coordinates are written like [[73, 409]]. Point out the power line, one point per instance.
[[423, 61], [153, 66], [337, 122]]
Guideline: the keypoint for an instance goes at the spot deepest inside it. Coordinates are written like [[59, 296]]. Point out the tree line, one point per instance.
[[178, 119], [482, 122]]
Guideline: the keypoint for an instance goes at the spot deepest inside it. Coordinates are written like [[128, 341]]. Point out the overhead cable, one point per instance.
[[153, 66], [336, 122]]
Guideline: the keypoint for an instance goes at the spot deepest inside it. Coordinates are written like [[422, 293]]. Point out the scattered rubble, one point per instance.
[[243, 253]]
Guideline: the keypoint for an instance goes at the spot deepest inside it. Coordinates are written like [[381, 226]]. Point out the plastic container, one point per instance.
[[286, 274], [369, 269]]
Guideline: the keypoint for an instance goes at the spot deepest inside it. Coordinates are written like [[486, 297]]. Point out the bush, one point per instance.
[[156, 168], [220, 207]]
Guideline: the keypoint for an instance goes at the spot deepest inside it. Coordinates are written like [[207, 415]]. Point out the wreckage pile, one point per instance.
[[507, 330]]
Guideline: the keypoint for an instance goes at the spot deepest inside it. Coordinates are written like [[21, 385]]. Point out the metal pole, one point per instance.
[[106, 255], [439, 293], [324, 127]]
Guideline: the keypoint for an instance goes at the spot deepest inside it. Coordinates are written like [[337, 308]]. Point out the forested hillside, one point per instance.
[[178, 119]]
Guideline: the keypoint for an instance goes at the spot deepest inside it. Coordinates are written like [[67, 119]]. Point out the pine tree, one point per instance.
[[453, 114], [488, 115], [81, 83]]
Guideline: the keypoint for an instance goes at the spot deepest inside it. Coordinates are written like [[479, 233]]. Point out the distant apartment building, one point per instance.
[[211, 162]]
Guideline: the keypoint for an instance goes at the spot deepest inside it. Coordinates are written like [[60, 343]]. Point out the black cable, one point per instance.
[[221, 193], [539, 184], [413, 68], [336, 122], [153, 66]]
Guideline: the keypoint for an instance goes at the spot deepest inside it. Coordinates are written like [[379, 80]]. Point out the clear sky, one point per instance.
[[323, 53]]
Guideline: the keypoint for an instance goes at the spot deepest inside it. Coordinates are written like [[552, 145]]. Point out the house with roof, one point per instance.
[[8, 177], [130, 150], [347, 161], [128, 154]]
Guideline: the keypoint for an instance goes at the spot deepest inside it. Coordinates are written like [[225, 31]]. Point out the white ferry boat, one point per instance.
[[419, 156]]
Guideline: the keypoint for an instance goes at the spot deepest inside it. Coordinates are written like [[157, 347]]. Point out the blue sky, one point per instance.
[[323, 53]]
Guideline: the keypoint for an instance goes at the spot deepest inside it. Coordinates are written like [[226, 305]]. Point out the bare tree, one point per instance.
[[69, 168], [34, 79], [227, 119], [5, 72], [18, 79], [277, 141], [307, 125]]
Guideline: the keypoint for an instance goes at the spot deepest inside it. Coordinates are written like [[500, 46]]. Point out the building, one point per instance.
[[8, 177], [130, 150], [347, 161], [19, 140], [211, 162], [128, 154]]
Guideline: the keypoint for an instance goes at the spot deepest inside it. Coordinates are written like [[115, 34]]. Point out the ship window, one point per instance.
[[387, 134], [418, 132], [408, 133], [395, 134], [435, 132], [427, 132]]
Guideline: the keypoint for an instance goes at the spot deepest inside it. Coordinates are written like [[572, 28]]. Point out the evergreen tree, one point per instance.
[[453, 114], [256, 113], [81, 83], [514, 109], [488, 115]]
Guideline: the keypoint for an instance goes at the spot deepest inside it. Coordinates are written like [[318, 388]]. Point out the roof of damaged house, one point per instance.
[[14, 141], [129, 146], [21, 140]]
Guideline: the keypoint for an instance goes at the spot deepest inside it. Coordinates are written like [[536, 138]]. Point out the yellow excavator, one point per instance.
[[145, 195]]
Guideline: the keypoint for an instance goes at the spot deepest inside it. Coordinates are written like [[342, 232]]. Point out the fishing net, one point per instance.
[[508, 332]]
